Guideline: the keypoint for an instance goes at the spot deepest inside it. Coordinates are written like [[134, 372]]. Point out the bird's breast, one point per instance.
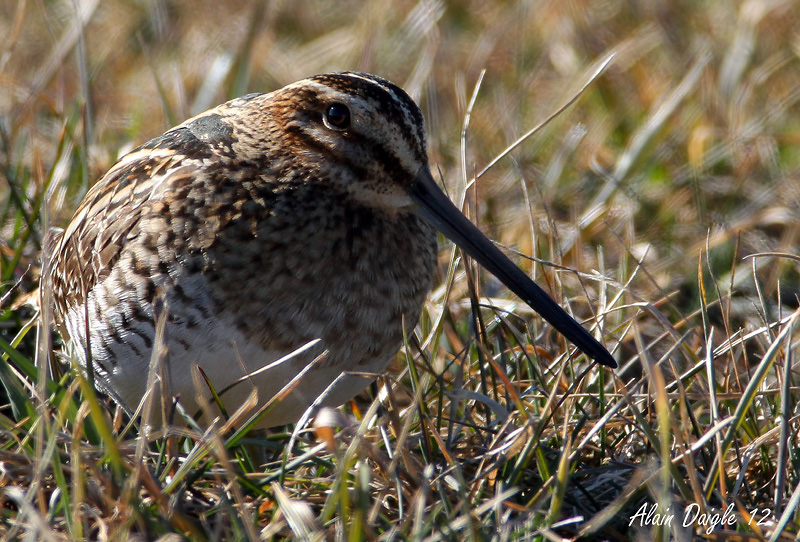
[[322, 269]]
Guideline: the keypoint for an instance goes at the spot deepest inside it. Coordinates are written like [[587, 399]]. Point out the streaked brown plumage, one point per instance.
[[265, 223]]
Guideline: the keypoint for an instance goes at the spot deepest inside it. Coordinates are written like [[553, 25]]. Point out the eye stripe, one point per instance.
[[312, 142], [399, 96], [394, 103]]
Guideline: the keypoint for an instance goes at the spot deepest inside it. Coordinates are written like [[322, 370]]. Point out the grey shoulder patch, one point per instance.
[[215, 132]]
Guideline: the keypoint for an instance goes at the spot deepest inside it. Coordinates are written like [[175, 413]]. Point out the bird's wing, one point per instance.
[[113, 209], [86, 251]]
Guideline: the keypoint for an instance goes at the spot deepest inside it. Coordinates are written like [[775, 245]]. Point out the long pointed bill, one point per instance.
[[435, 206]]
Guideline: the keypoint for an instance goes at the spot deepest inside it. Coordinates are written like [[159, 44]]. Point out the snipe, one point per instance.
[[265, 223]]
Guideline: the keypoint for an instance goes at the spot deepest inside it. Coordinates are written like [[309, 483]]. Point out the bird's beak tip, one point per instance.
[[433, 205]]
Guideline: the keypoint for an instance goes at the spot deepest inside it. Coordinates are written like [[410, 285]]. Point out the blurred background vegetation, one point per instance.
[[676, 165]]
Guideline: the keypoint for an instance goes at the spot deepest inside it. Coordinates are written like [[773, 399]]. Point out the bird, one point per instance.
[[290, 236]]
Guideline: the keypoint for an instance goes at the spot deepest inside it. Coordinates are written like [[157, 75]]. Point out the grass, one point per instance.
[[660, 208]]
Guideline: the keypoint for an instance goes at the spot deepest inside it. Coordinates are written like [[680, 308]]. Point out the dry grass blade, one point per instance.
[[299, 516], [594, 73]]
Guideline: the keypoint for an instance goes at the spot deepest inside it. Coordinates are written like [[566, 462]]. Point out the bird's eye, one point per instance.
[[337, 117]]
